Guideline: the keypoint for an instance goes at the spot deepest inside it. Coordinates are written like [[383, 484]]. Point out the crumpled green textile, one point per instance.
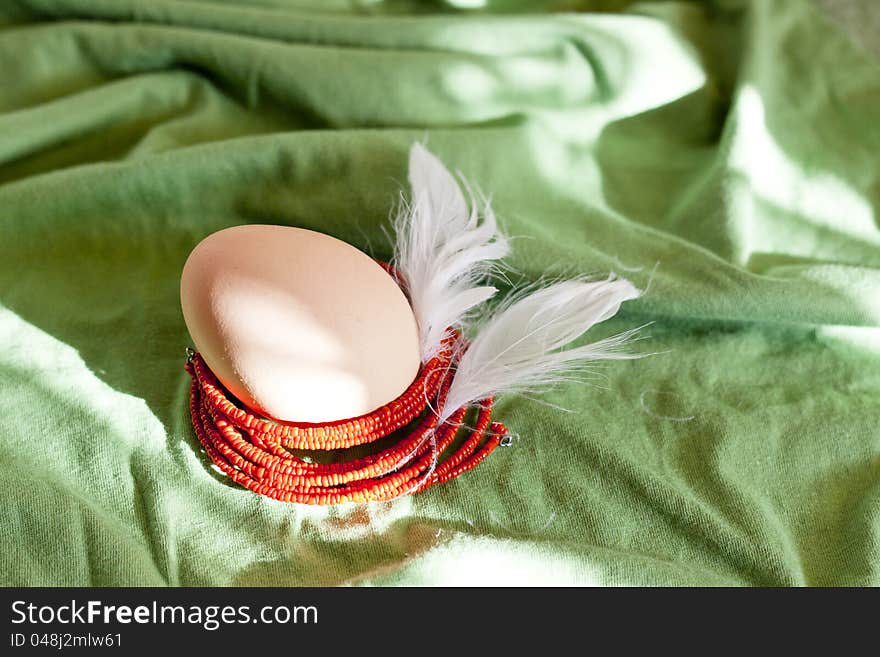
[[723, 156]]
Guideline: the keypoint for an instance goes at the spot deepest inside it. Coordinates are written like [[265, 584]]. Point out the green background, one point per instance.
[[724, 155]]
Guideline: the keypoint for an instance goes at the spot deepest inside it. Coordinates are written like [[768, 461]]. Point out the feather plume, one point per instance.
[[518, 349], [443, 250]]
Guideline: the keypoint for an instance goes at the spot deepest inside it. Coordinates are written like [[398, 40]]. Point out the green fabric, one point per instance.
[[724, 155]]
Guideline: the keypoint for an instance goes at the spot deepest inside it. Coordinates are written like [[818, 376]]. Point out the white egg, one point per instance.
[[298, 325]]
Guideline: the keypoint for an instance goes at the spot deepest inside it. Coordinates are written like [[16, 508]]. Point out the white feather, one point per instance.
[[443, 250], [518, 348]]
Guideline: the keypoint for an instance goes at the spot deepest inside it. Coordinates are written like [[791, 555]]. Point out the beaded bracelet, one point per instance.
[[254, 452]]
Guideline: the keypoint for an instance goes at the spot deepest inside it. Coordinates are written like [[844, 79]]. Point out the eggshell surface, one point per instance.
[[298, 325]]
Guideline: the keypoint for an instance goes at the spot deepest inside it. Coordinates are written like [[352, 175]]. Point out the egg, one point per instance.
[[298, 325]]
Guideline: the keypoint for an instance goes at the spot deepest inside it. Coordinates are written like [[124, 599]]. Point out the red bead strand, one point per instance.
[[253, 451]]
